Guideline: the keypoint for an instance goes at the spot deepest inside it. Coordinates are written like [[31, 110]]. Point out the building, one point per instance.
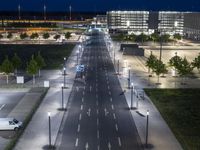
[[192, 25], [138, 22], [128, 21]]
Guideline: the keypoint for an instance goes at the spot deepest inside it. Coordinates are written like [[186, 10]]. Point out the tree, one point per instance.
[[132, 37], [159, 68], [10, 35], [154, 37], [46, 35], [32, 68], [56, 37], [177, 36], [40, 62], [1, 36], [23, 36], [16, 61], [185, 68], [68, 35], [196, 62], [165, 38], [7, 67], [142, 38], [175, 62], [34, 36], [150, 63]]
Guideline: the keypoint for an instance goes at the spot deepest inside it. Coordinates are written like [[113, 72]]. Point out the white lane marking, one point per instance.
[[98, 147], [81, 107], [83, 92], [89, 112], [96, 96], [2, 106], [108, 87], [97, 111], [79, 127], [84, 87], [119, 141], [116, 127], [97, 121], [111, 99], [76, 144], [112, 107], [77, 88], [80, 117], [114, 116], [82, 99], [106, 112], [97, 134], [109, 146], [90, 88], [97, 103], [86, 146], [109, 93]]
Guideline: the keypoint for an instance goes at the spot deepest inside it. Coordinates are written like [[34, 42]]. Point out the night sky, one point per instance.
[[101, 5]]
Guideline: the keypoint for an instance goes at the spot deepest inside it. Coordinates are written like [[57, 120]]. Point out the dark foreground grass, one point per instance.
[[53, 54], [181, 110]]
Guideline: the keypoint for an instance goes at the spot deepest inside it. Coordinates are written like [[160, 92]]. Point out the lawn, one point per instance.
[[181, 110], [53, 54]]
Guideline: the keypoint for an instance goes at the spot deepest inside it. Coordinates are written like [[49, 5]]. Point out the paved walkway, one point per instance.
[[160, 136], [36, 135]]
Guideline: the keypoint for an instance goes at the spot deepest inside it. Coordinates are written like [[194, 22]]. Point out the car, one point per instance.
[[10, 124]]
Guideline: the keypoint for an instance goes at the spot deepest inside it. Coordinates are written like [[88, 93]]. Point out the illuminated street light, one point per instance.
[[49, 117], [64, 62], [64, 74], [147, 129]]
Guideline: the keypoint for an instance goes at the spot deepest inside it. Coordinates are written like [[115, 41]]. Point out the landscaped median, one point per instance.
[[25, 110], [180, 109]]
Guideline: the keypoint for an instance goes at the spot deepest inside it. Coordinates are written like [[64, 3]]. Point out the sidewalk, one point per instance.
[[160, 136], [36, 135]]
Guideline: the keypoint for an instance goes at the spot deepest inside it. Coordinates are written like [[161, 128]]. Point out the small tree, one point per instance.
[[165, 38], [68, 35], [150, 63], [56, 37], [175, 62], [196, 62], [159, 68], [32, 68], [7, 67], [177, 36], [34, 36], [46, 35], [16, 61], [185, 68], [154, 37], [40, 62], [23, 36], [142, 38], [10, 35]]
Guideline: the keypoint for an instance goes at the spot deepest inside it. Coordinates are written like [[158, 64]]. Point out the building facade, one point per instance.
[[138, 22]]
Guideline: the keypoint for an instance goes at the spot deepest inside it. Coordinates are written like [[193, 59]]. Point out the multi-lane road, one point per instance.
[[98, 117]]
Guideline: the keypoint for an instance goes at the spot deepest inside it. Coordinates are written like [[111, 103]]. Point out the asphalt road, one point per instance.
[[98, 116]]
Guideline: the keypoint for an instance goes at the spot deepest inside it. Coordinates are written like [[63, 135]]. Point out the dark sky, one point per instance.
[[102, 5]]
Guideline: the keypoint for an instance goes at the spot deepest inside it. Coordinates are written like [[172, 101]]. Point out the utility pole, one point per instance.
[[70, 12], [19, 12]]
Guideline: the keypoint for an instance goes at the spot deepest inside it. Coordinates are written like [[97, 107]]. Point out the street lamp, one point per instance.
[[118, 66], [62, 86], [132, 95], [64, 61], [147, 129], [49, 117], [77, 54], [129, 77], [64, 73]]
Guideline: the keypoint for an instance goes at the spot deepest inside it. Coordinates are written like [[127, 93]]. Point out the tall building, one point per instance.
[[128, 21], [192, 25], [146, 22]]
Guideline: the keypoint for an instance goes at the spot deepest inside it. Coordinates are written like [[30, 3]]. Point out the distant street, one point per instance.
[[98, 116]]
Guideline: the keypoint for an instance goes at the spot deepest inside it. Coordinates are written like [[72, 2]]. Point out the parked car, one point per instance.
[[10, 124]]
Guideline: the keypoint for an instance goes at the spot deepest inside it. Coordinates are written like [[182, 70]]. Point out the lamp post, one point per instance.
[[129, 77], [131, 95], [118, 66], [49, 117], [62, 86], [64, 61], [64, 73], [147, 129], [77, 54]]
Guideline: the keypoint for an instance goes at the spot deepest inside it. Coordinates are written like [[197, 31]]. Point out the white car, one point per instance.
[[10, 124]]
